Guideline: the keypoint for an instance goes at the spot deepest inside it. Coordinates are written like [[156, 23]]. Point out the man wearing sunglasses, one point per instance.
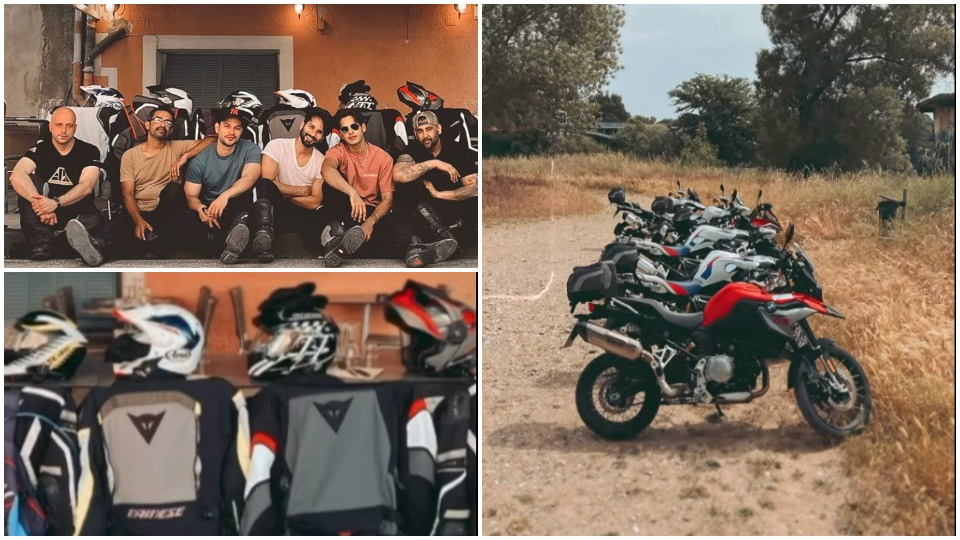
[[357, 192], [152, 197]]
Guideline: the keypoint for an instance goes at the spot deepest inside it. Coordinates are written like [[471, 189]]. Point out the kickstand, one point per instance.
[[717, 417]]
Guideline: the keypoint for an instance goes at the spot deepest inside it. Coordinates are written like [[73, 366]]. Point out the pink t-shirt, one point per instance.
[[370, 174]]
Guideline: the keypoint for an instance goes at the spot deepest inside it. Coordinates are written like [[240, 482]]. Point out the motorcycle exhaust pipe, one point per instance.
[[623, 346], [747, 397]]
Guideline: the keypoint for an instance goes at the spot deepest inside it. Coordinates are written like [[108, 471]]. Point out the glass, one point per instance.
[[352, 127], [168, 123]]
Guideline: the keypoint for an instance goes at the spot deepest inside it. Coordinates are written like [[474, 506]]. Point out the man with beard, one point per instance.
[[66, 170], [219, 188], [292, 181], [152, 197], [437, 184]]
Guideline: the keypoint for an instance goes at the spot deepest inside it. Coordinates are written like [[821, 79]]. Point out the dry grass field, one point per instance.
[[897, 291]]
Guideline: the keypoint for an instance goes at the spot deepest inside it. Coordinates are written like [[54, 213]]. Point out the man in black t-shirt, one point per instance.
[[65, 171], [437, 183]]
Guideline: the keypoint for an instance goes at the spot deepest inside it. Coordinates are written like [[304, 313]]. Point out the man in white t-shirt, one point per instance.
[[292, 181]]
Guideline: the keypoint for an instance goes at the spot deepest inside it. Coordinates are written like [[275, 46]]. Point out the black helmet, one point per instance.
[[356, 95]]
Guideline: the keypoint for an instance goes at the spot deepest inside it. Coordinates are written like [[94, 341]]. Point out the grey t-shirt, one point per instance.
[[217, 174]]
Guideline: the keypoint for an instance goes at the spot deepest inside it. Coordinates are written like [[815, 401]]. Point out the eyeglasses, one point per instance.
[[168, 123], [351, 127]]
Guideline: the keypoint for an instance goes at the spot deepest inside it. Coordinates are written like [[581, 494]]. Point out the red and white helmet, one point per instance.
[[419, 98], [296, 98], [439, 333]]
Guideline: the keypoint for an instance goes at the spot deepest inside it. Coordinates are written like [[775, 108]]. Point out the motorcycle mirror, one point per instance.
[[680, 189], [759, 194], [790, 231], [721, 190]]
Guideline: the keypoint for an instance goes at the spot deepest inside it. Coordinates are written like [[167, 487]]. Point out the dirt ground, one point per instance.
[[761, 470]]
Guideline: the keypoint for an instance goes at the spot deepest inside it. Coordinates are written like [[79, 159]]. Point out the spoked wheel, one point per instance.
[[835, 406], [617, 398]]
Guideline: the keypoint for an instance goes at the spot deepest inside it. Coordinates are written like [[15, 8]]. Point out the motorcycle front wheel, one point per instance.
[[617, 398], [831, 414]]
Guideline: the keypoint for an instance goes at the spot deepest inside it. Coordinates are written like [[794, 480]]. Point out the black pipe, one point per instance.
[[83, 36], [97, 49]]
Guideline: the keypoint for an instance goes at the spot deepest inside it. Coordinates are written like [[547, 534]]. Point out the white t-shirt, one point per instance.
[[284, 153]]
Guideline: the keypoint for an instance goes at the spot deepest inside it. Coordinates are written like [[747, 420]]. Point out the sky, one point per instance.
[[666, 45]]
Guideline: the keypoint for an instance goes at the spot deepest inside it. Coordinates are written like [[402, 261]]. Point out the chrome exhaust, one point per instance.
[[623, 346]]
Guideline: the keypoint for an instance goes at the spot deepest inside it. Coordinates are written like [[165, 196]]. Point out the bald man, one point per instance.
[[65, 171]]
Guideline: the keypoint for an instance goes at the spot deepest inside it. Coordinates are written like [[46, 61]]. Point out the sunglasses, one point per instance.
[[350, 127], [168, 123]]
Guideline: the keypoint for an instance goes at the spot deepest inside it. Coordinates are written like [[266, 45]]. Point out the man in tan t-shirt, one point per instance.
[[152, 196]]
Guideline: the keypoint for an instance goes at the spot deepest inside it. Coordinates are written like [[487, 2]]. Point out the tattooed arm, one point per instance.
[[406, 170], [460, 194]]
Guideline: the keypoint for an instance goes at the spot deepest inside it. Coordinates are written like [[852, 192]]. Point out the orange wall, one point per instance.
[[359, 42], [184, 287]]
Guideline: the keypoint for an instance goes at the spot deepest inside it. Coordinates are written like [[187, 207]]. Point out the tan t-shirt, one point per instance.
[[151, 174], [370, 174]]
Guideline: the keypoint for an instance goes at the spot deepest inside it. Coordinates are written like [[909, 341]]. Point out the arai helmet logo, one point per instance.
[[179, 354]]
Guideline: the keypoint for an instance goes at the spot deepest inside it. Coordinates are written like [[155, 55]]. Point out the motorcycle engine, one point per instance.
[[719, 368], [723, 374]]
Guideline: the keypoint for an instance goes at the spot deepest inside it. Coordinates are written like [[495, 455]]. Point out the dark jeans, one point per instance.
[[211, 240], [390, 238], [39, 234], [449, 212], [289, 217], [119, 235]]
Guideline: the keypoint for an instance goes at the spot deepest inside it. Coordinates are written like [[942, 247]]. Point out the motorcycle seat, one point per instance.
[[682, 320]]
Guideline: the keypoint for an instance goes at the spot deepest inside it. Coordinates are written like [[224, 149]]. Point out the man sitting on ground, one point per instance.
[[358, 195], [437, 184], [219, 189], [152, 198], [67, 169], [292, 181]]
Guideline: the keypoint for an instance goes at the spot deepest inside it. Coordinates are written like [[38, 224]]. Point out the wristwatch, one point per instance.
[[57, 200]]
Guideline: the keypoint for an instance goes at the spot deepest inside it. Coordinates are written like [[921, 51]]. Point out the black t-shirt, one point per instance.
[[463, 159], [57, 174]]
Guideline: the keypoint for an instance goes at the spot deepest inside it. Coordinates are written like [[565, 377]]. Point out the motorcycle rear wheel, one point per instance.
[[835, 419], [607, 412]]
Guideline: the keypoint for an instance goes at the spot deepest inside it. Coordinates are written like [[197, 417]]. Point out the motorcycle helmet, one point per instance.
[[163, 336], [172, 96], [419, 98], [298, 99], [356, 95], [439, 333], [48, 345], [247, 104], [102, 96], [300, 337]]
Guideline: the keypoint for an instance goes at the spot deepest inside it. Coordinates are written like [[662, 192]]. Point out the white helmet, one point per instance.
[[102, 96], [247, 104], [298, 99], [301, 337], [164, 336], [48, 345], [172, 96]]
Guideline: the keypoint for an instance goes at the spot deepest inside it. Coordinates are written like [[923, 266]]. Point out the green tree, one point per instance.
[[542, 63], [611, 107], [698, 150], [822, 53], [646, 138], [724, 107]]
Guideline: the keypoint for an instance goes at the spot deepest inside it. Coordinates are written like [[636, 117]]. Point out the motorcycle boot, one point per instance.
[[237, 239], [263, 238], [340, 243], [430, 219], [90, 248], [420, 254]]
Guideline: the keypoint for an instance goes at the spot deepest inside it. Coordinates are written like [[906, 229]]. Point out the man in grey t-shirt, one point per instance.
[[219, 188]]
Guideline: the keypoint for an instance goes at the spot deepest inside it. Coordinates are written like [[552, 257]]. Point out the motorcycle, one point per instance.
[[655, 356]]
